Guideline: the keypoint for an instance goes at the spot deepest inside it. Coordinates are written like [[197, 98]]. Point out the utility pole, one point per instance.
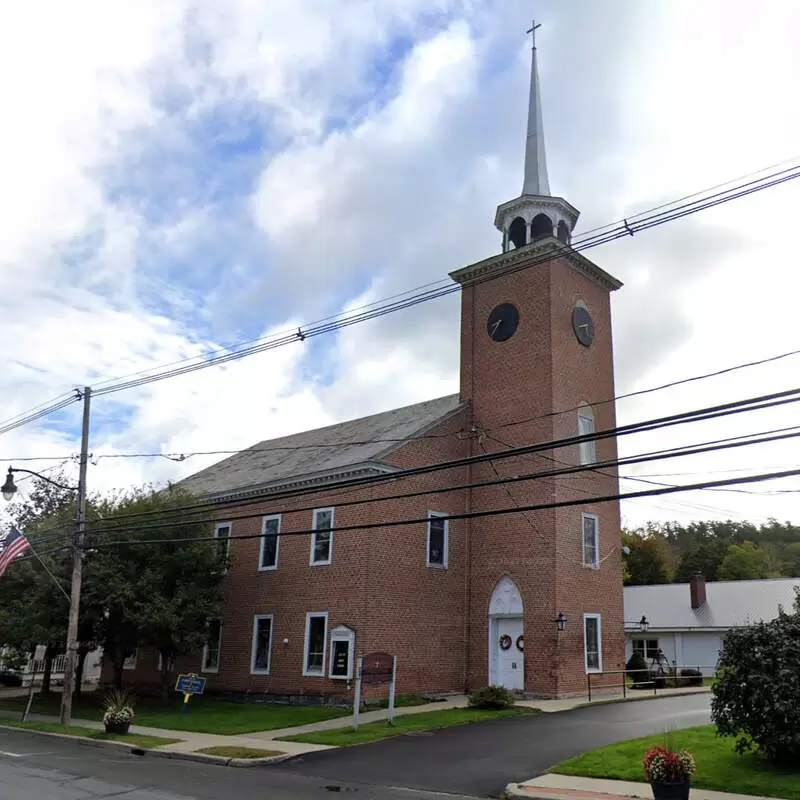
[[77, 570]]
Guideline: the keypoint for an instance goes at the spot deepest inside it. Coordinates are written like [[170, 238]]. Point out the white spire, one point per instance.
[[536, 182]]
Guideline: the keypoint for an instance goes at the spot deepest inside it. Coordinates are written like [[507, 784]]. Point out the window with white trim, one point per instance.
[[315, 641], [261, 649], [212, 647], [170, 662], [322, 540], [343, 645], [592, 643], [437, 540], [590, 543], [647, 647], [268, 555], [223, 533], [586, 450], [130, 661]]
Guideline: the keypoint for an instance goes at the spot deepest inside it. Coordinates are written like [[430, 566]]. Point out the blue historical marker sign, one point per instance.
[[190, 684]]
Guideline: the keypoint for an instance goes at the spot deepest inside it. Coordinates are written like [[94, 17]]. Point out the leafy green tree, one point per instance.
[[756, 694], [791, 560], [743, 562], [647, 560], [705, 558], [159, 588]]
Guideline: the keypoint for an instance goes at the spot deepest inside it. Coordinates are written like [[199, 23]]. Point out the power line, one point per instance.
[[471, 514]]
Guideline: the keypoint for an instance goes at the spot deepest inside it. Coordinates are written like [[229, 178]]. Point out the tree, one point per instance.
[[791, 560], [705, 558], [159, 589], [647, 559], [743, 562], [756, 694]]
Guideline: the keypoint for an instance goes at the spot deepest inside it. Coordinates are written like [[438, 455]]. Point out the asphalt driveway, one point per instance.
[[480, 759]]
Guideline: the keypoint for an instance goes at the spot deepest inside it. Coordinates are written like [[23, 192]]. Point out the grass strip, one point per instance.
[[718, 766], [133, 739], [239, 752], [407, 723]]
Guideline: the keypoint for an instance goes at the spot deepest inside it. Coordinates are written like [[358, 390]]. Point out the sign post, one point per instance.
[[189, 684], [390, 716], [38, 655], [357, 698]]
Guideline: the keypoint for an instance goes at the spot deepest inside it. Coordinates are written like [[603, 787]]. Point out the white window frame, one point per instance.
[[311, 561], [219, 527], [445, 541], [256, 619], [321, 672], [647, 653], [261, 567], [343, 634], [204, 656], [587, 452], [599, 667], [596, 563], [161, 661], [130, 661]]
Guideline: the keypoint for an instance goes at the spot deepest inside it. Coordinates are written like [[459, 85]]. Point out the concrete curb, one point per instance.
[[133, 749], [630, 699]]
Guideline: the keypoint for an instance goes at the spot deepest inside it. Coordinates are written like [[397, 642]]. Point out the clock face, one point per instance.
[[583, 326], [502, 322]]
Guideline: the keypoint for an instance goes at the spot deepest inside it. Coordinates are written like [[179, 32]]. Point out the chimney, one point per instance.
[[697, 590]]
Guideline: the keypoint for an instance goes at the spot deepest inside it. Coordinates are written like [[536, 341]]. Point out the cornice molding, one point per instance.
[[540, 202], [515, 259], [301, 482]]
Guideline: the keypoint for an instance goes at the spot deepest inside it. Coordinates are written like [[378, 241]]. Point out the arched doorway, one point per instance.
[[506, 636]]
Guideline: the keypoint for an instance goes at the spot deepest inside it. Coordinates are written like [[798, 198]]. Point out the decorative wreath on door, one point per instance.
[[521, 643], [505, 642]]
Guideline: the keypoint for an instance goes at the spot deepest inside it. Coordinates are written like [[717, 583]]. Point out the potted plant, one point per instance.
[[670, 773], [118, 706]]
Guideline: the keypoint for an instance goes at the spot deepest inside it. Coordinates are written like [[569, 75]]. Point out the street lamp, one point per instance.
[[8, 491], [9, 488], [642, 623]]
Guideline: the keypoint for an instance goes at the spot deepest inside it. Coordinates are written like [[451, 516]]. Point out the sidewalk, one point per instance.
[[268, 740], [569, 787]]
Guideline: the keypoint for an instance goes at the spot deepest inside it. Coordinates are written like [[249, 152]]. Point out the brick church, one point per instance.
[[531, 600]]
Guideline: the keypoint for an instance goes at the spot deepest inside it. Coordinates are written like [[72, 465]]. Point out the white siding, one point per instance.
[[701, 650]]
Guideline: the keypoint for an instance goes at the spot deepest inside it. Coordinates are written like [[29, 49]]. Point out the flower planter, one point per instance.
[[677, 790], [117, 727]]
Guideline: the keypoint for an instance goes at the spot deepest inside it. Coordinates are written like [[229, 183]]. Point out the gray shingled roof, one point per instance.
[[728, 603], [320, 452]]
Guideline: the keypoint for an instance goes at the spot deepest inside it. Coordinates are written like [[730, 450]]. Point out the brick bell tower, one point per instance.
[[537, 366]]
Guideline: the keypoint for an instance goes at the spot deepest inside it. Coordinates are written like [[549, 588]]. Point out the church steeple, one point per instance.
[[535, 214], [535, 161]]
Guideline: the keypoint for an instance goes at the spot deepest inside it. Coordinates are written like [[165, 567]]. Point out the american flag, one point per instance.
[[14, 544]]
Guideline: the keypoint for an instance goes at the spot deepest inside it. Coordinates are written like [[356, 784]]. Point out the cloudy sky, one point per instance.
[[179, 177]]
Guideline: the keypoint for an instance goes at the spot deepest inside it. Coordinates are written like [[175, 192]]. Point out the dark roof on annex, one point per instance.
[[352, 447]]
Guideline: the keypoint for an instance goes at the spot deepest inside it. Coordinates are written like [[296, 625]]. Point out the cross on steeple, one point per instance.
[[532, 30]]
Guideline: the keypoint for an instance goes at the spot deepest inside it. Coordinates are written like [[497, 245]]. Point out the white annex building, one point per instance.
[[688, 621]]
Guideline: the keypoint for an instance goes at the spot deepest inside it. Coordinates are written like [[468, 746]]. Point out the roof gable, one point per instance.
[[324, 453]]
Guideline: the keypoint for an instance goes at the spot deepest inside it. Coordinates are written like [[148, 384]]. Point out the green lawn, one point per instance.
[[428, 720], [718, 766], [133, 739], [204, 714], [239, 752]]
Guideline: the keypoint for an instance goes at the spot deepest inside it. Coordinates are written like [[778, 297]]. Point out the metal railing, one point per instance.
[[664, 679]]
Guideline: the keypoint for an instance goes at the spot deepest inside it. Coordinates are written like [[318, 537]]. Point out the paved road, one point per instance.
[[474, 760], [481, 759]]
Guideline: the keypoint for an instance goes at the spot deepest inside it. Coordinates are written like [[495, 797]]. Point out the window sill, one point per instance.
[[268, 569], [259, 672], [596, 671], [320, 563], [436, 566], [205, 671], [307, 674], [341, 677], [595, 567]]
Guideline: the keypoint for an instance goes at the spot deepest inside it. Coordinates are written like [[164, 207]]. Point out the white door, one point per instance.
[[510, 661]]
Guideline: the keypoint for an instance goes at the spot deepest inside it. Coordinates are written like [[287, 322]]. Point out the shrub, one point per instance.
[[691, 677], [756, 693], [637, 668], [10, 679], [494, 697]]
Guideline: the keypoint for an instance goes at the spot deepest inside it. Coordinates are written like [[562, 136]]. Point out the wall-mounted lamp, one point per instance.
[[561, 621]]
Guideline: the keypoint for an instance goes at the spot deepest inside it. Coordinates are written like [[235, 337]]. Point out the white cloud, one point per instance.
[[372, 178]]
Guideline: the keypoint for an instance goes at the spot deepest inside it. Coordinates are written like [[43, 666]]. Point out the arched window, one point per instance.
[[563, 232], [586, 450], [541, 227], [516, 232]]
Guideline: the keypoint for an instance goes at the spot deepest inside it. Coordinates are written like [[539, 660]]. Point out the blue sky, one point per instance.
[[183, 176]]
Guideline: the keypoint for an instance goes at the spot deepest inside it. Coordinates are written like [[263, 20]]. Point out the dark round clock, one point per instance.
[[502, 322], [583, 325]]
